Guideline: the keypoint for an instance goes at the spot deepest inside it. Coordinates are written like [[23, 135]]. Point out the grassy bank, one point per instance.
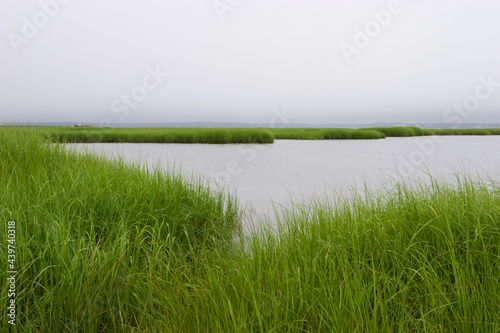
[[98, 240], [370, 133], [416, 131], [399, 131], [236, 135], [325, 134], [156, 135], [103, 246], [464, 131]]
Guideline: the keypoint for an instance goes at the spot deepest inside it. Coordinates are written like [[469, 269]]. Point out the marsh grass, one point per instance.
[[464, 131], [413, 259], [156, 135], [63, 134], [325, 134], [371, 133], [398, 131], [108, 247], [93, 234]]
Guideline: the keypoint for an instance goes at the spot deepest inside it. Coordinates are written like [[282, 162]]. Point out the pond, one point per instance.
[[275, 174]]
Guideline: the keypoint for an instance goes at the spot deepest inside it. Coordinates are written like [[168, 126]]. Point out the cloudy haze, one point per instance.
[[339, 61]]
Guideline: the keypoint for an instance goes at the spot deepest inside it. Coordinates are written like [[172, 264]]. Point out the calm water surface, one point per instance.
[[263, 175]]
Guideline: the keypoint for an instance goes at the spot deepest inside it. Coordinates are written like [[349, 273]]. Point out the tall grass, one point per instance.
[[463, 131], [342, 134], [237, 135], [104, 246], [398, 131], [93, 236], [423, 260], [156, 135], [325, 134]]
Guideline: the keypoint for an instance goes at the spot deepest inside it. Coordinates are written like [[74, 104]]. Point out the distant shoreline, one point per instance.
[[210, 124], [87, 134]]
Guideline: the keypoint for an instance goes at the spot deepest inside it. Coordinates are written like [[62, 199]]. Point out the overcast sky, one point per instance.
[[335, 61]]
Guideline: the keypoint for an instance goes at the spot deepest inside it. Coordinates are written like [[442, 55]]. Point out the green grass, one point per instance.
[[156, 135], [424, 260], [464, 131], [103, 246], [94, 236], [494, 131], [325, 134], [370, 133], [237, 135], [398, 131]]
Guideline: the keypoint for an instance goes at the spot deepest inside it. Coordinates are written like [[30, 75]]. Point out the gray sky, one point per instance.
[[339, 61]]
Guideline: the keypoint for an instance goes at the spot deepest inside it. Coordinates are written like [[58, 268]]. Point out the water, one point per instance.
[[263, 175]]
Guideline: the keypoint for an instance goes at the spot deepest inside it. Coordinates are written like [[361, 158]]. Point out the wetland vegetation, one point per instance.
[[108, 246], [64, 134]]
